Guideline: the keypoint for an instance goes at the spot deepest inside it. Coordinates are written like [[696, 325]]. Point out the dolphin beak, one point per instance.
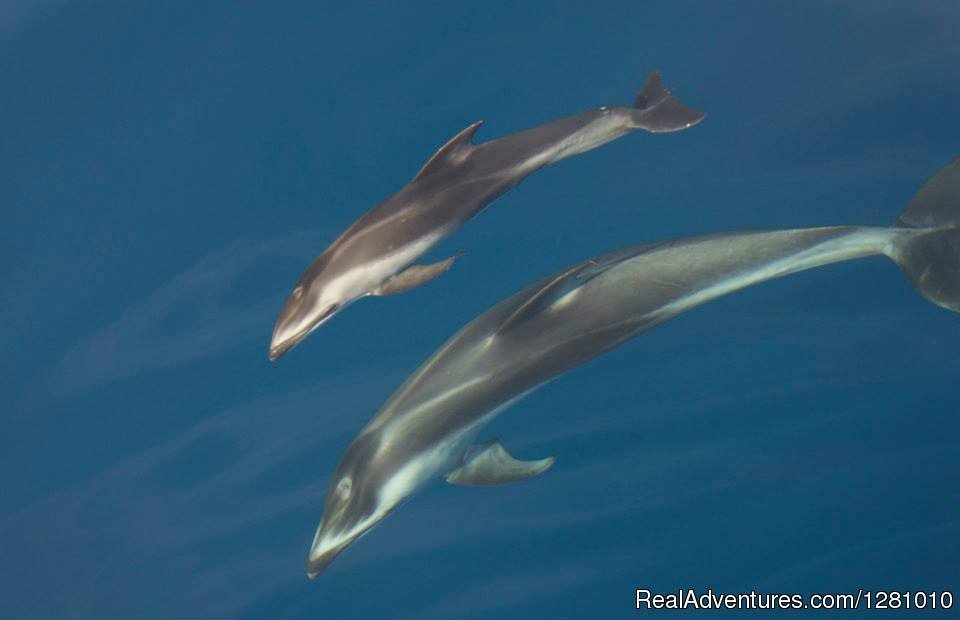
[[276, 350], [280, 345], [316, 565], [317, 562]]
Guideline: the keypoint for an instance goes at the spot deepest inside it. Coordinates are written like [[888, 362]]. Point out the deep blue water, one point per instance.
[[169, 169]]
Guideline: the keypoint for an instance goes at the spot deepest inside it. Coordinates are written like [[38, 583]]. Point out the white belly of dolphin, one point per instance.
[[364, 279]]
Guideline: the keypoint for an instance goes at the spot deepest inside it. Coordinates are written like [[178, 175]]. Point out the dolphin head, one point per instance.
[[312, 302], [303, 312], [363, 491]]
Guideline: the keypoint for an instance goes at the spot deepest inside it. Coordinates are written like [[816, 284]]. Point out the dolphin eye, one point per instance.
[[298, 292], [343, 487]]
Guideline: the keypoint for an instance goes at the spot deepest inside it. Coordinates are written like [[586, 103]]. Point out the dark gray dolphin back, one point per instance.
[[932, 261]]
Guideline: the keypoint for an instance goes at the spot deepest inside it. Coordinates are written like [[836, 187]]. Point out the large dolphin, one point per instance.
[[428, 426], [374, 255]]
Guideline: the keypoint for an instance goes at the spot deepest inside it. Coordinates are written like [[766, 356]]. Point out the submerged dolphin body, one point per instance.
[[427, 427], [374, 255]]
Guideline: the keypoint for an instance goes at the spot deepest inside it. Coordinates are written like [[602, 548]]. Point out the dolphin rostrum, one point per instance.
[[428, 426], [374, 255]]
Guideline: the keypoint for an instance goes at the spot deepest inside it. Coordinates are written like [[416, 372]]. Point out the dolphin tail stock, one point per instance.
[[656, 110], [931, 257]]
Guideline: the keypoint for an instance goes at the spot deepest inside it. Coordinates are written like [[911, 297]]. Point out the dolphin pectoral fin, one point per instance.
[[414, 276], [490, 464]]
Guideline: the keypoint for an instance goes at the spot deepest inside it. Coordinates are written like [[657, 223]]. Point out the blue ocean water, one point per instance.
[[169, 169]]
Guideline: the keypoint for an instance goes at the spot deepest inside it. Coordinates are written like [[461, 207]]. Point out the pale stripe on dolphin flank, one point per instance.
[[363, 279], [851, 244], [599, 131]]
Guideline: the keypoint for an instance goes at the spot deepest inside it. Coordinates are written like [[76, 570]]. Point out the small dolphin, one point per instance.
[[428, 426], [374, 255]]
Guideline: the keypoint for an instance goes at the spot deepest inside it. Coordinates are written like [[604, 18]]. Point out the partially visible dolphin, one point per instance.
[[428, 426], [374, 255]]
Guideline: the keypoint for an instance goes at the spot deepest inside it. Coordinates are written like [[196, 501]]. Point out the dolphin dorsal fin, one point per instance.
[[550, 292], [489, 464], [453, 152], [564, 282]]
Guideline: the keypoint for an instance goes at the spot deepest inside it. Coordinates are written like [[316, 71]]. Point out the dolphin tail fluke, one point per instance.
[[931, 258], [656, 110]]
